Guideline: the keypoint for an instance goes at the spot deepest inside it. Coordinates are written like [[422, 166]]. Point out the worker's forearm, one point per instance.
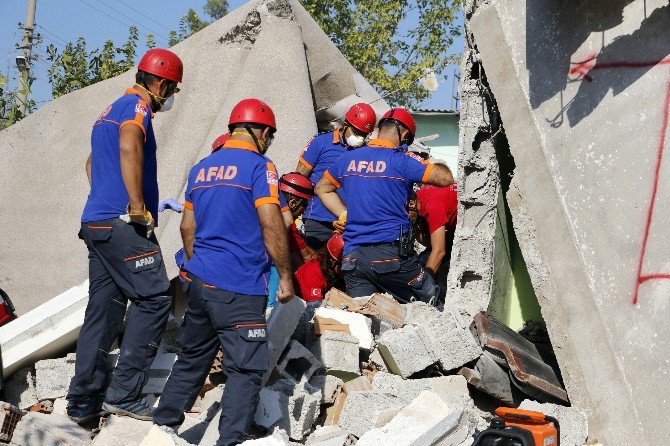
[[276, 241], [434, 261], [303, 170], [440, 176], [132, 158], [88, 168], [187, 229], [333, 203], [287, 216]]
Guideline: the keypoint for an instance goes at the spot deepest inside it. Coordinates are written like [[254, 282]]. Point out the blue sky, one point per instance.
[[61, 21]]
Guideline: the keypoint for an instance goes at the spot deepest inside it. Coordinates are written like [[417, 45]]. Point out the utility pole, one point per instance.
[[23, 62]]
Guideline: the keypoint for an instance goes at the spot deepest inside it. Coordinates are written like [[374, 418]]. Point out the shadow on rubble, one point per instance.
[[556, 30]]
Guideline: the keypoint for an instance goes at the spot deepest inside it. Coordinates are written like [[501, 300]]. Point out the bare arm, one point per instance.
[[88, 168], [276, 242], [131, 142], [438, 243], [327, 193], [287, 216], [303, 170], [440, 176], [187, 229]]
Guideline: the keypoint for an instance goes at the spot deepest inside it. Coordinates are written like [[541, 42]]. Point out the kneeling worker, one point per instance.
[[231, 223]]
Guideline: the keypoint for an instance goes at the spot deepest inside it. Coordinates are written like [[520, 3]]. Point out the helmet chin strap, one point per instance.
[[155, 99], [261, 148]]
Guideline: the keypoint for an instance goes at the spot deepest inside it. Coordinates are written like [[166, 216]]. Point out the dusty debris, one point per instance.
[[323, 324], [405, 352], [20, 389], [328, 385], [572, 420], [9, 418], [491, 378], [364, 411], [289, 406], [49, 430], [52, 377], [338, 352], [359, 325]]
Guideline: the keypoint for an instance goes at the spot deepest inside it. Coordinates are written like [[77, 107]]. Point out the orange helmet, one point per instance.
[[361, 117], [220, 141], [296, 184], [401, 116], [162, 63], [335, 247], [252, 111]]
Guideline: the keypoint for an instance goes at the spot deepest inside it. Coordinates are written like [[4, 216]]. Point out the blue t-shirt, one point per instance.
[[108, 197], [224, 190], [321, 152], [376, 180]]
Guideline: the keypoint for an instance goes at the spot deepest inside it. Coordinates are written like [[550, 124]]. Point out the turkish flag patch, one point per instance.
[[141, 109], [272, 178]]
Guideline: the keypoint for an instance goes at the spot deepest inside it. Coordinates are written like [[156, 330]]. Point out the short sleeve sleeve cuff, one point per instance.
[[332, 179], [188, 205], [266, 200], [426, 174]]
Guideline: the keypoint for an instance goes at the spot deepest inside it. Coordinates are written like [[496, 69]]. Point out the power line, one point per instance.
[[127, 17], [144, 15], [54, 36]]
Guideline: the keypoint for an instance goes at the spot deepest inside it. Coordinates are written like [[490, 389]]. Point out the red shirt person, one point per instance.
[[318, 275], [438, 209]]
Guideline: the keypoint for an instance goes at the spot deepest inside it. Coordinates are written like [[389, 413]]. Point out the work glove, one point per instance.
[[340, 223], [144, 219], [170, 203]]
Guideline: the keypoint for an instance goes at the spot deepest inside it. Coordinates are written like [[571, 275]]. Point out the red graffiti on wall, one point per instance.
[[582, 70]]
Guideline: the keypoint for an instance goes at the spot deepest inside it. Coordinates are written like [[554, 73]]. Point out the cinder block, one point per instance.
[[281, 325], [132, 431], [359, 325], [404, 351], [572, 420], [328, 385], [20, 389], [330, 436], [425, 422], [52, 377], [162, 436], [60, 406], [288, 406], [445, 334], [364, 411], [297, 363], [49, 430], [377, 361], [338, 352], [409, 389]]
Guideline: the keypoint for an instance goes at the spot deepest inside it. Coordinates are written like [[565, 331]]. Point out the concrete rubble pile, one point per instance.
[[345, 371]]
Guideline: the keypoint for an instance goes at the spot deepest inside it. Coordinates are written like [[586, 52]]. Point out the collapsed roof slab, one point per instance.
[[270, 49], [583, 91]]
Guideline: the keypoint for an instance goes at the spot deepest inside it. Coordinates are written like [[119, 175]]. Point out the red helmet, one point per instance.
[[252, 111], [296, 184], [402, 116], [361, 117], [335, 246], [162, 63], [220, 141]]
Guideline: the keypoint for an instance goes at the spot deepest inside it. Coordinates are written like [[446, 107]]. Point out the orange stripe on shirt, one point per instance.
[[188, 205], [330, 178], [266, 200], [302, 161], [274, 189], [426, 174], [137, 123]]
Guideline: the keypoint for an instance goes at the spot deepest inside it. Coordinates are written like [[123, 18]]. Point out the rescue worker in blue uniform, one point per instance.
[[376, 181], [231, 227], [125, 261], [320, 153]]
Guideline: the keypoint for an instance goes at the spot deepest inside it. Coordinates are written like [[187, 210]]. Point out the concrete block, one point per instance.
[[49, 430], [425, 422], [158, 373], [330, 436], [338, 352], [211, 402], [572, 420], [364, 411], [333, 413], [385, 310], [377, 361], [409, 389], [405, 351], [60, 407], [162, 436], [297, 363], [445, 334], [132, 431], [328, 385], [20, 389], [288, 406], [359, 325], [52, 377], [193, 428], [281, 325], [211, 435]]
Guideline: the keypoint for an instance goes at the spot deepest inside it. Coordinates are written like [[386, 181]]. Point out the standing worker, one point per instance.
[[125, 260], [377, 180], [231, 222], [320, 153]]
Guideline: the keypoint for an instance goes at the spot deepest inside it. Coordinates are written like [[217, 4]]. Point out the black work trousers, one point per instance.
[[378, 268], [236, 322], [123, 265]]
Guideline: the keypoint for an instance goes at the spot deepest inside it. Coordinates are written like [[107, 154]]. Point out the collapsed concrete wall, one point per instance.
[[270, 49], [583, 89]]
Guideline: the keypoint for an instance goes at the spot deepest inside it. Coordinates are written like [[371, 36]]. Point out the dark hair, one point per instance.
[[142, 77], [251, 125], [327, 266]]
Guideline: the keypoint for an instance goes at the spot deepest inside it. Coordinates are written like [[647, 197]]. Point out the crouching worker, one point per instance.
[[317, 276], [231, 223], [296, 190]]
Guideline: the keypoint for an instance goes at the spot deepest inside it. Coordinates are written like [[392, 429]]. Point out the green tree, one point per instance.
[[9, 109], [216, 8], [391, 42], [190, 23]]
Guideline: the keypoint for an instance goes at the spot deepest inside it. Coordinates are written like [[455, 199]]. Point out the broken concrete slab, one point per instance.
[[340, 300], [572, 420], [384, 309], [291, 407], [324, 324], [445, 334], [281, 325], [297, 363], [333, 413], [49, 430], [162, 436], [20, 389], [338, 352], [52, 377], [364, 411], [193, 428], [60, 406], [328, 385], [359, 325], [405, 352], [489, 377], [132, 431], [409, 389], [426, 421], [330, 436]]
